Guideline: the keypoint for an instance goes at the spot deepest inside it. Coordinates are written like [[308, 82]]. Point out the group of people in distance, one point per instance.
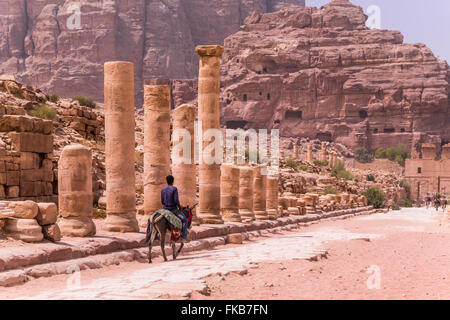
[[436, 200]]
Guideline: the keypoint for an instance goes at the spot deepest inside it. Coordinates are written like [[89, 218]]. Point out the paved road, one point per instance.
[[180, 278]]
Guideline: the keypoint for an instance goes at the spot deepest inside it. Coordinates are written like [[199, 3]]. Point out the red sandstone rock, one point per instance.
[[52, 232], [159, 37], [321, 73], [48, 214]]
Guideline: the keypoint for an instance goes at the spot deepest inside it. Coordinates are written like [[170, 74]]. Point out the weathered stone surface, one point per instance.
[[27, 230], [120, 147], [75, 191], [235, 238], [24, 209], [52, 232], [321, 73], [157, 109], [157, 36], [48, 214], [229, 193]]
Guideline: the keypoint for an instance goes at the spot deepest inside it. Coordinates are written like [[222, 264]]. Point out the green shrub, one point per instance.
[[374, 197], [85, 101], [339, 171], [303, 167], [407, 186], [398, 153], [45, 112], [291, 163], [321, 163], [405, 203], [363, 156], [53, 98], [395, 207], [371, 177], [329, 190]]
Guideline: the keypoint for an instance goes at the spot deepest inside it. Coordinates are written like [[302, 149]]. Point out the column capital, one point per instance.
[[210, 50]]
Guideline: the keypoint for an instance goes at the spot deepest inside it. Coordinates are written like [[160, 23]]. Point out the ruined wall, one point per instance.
[[428, 174], [159, 37]]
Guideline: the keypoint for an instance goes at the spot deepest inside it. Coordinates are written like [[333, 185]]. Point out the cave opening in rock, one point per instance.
[[324, 136], [268, 96], [375, 130], [389, 130], [291, 114], [402, 130], [245, 97], [236, 124], [363, 114], [277, 122], [265, 70]]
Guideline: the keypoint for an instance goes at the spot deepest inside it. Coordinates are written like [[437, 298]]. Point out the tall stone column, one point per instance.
[[229, 198], [296, 153], [272, 198], [246, 194], [75, 191], [157, 110], [120, 148], [323, 152], [185, 172], [259, 194], [209, 115], [309, 154]]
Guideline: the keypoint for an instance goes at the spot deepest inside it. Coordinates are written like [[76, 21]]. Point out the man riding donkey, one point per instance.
[[172, 218], [170, 201]]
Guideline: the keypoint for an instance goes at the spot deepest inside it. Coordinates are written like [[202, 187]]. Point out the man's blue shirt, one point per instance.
[[169, 198]]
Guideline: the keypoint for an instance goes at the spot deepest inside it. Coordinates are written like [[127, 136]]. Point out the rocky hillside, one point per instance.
[[321, 73], [159, 37]]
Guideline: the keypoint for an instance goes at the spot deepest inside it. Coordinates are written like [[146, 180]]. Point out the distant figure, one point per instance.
[[444, 204], [169, 200], [427, 200]]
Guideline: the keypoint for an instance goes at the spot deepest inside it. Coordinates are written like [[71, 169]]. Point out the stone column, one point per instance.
[[120, 148], [309, 154], [323, 152], [157, 110], [246, 194], [75, 191], [209, 115], [296, 153], [229, 197], [259, 194], [183, 118], [272, 198]]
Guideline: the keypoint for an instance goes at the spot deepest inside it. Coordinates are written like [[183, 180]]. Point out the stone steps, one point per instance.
[[20, 265]]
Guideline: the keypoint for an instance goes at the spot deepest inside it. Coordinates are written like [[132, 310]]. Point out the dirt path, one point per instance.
[[408, 248]]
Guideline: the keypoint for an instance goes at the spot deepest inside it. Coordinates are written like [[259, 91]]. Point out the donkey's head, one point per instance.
[[187, 211]]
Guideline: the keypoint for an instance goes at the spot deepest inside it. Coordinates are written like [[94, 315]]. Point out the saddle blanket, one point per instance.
[[172, 218]]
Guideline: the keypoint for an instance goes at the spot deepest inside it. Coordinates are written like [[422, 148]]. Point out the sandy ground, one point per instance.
[[400, 255]]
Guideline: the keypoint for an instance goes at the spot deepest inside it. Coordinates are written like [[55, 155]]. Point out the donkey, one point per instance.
[[158, 230]]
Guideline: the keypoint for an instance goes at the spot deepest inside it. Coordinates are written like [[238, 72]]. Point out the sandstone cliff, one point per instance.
[[321, 73], [158, 36]]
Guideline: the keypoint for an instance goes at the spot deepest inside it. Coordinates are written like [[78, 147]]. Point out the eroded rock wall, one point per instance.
[[158, 36], [321, 73]]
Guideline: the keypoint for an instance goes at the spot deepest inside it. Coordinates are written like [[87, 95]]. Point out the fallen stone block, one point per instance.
[[52, 232], [24, 209], [235, 238], [27, 230], [47, 214], [12, 278]]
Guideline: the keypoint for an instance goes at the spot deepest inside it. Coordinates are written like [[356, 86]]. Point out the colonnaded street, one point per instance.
[[399, 255]]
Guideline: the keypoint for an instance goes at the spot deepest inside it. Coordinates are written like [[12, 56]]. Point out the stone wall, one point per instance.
[[26, 155]]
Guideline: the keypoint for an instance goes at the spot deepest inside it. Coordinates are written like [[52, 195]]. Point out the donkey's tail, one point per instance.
[[149, 231]]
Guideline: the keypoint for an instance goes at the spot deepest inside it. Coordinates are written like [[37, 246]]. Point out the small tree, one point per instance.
[[45, 112], [363, 156], [329, 190], [371, 177], [85, 101], [374, 197]]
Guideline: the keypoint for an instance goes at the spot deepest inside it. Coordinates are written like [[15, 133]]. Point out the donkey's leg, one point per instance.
[[174, 251], [163, 244], [179, 250], [152, 238]]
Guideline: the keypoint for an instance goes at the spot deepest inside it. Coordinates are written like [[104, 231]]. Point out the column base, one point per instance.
[[273, 214], [78, 227], [261, 215], [126, 222], [210, 218], [293, 211], [233, 216], [247, 215]]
